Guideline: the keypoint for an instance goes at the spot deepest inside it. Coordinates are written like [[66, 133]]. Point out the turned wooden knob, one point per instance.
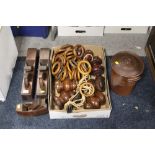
[[59, 102], [97, 69], [62, 99], [26, 83], [42, 84], [100, 83], [101, 97], [66, 85], [58, 86], [95, 101]]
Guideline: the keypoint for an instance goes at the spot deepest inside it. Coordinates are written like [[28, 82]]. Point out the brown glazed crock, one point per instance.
[[127, 69]]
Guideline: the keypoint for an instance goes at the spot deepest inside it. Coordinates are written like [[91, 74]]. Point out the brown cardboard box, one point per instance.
[[105, 110]]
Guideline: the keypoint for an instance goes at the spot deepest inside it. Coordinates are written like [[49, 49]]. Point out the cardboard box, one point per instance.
[[126, 29], [105, 110], [8, 57], [80, 30]]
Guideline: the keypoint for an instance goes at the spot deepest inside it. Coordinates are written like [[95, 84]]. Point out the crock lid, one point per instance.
[[127, 64]]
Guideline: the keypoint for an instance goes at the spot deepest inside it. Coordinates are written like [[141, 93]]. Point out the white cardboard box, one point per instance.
[[126, 29], [103, 112], [80, 30], [8, 56]]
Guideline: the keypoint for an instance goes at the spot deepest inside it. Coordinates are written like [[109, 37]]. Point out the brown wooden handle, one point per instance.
[[26, 83], [42, 84]]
